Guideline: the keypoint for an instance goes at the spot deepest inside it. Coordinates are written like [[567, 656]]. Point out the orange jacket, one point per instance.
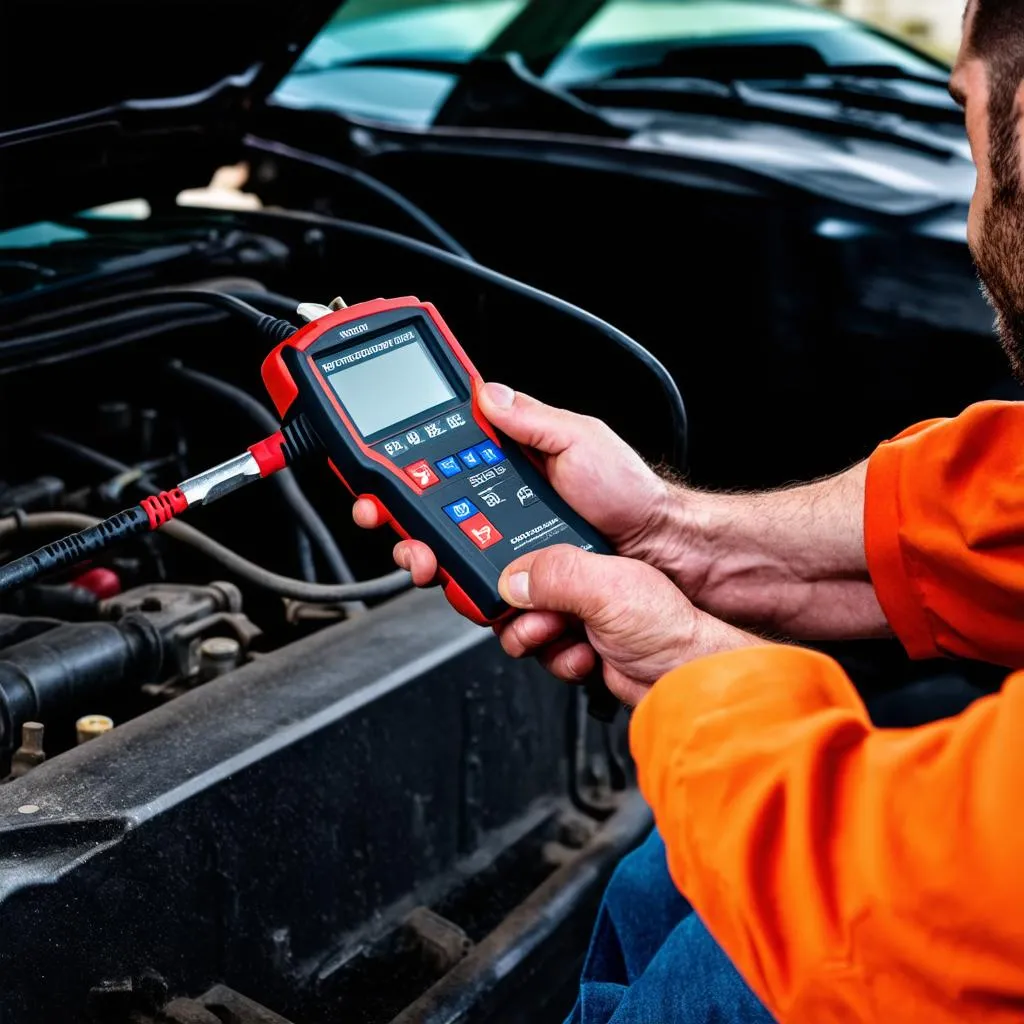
[[854, 874]]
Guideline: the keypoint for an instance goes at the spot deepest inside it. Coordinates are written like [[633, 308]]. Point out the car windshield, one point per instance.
[[396, 61]]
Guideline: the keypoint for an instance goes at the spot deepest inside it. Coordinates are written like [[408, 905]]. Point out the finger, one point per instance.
[[415, 556], [571, 660], [367, 514], [531, 422], [526, 634], [562, 579]]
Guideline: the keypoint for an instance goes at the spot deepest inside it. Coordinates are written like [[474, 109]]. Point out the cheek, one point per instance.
[[977, 128]]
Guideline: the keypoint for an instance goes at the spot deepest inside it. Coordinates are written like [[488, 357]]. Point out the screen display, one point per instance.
[[390, 388]]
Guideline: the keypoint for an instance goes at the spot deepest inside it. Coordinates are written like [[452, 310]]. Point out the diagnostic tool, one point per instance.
[[385, 390], [392, 397]]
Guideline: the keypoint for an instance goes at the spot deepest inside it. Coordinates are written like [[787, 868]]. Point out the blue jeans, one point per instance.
[[652, 961]]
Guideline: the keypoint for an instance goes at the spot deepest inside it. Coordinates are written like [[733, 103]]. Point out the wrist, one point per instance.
[[709, 635], [683, 540]]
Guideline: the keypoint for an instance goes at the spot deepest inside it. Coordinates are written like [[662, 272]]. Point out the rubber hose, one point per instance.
[[284, 586]]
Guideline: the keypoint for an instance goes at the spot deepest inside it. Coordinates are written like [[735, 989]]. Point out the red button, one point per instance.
[[480, 531], [422, 475]]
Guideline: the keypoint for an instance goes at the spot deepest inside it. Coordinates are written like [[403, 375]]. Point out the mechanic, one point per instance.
[[849, 873]]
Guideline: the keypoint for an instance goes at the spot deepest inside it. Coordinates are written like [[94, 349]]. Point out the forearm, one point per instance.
[[789, 561]]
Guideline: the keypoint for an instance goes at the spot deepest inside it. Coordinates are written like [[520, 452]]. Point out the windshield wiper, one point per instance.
[[751, 101], [405, 62], [753, 57]]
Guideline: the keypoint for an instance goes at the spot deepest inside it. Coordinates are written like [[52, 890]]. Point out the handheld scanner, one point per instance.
[[392, 397]]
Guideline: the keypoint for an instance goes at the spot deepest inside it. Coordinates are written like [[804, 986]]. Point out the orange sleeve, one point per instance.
[[944, 534], [850, 874]]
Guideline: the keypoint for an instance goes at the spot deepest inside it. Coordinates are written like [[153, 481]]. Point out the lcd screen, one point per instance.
[[391, 388]]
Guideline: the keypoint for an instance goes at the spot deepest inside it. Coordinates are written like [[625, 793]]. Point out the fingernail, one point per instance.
[[519, 589], [500, 395], [402, 558]]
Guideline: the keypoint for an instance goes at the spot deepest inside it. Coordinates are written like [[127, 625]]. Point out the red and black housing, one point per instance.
[[392, 396]]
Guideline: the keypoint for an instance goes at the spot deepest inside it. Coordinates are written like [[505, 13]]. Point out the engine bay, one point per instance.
[[138, 397], [174, 716]]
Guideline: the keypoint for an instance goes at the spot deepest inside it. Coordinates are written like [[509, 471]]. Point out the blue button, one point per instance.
[[461, 510], [449, 466], [490, 453], [470, 459]]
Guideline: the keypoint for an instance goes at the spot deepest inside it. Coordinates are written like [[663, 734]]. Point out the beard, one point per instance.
[[1000, 262]]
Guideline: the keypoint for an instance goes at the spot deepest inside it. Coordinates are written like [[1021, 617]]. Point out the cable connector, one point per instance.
[[300, 439], [163, 507], [276, 330]]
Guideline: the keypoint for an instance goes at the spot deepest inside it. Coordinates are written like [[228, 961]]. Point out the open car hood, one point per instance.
[[100, 96]]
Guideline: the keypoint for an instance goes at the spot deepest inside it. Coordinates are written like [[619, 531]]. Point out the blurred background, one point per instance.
[[931, 24]]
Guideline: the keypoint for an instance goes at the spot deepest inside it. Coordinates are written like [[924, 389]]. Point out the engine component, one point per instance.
[[88, 727], [31, 753], [71, 665], [56, 669]]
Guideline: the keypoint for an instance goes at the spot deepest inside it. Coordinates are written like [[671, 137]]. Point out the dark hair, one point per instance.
[[997, 37]]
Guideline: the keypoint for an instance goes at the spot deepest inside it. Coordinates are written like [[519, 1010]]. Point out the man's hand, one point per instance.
[[791, 561], [590, 466], [634, 623]]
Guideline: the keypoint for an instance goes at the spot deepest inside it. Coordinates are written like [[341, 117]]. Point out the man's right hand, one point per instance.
[[590, 467], [790, 561]]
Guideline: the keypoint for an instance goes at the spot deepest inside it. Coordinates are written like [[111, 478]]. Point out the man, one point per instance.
[[849, 874]]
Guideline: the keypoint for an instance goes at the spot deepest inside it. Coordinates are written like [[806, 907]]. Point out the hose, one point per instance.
[[315, 528], [119, 306], [283, 586], [436, 233], [152, 330]]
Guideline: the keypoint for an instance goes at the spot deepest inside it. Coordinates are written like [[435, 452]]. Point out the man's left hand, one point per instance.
[[633, 622]]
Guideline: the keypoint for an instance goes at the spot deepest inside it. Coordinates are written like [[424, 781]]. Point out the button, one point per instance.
[[461, 510], [449, 466], [470, 458], [480, 531], [422, 475], [490, 453]]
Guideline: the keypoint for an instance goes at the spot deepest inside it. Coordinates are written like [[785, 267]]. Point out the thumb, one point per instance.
[[524, 419], [558, 579]]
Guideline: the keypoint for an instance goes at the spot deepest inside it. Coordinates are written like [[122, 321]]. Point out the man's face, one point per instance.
[[995, 226]]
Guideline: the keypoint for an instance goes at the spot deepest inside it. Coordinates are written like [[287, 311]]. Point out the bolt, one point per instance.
[[32, 737], [90, 726], [31, 753], [218, 655]]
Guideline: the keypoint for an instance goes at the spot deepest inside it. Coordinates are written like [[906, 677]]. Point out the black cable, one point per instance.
[[315, 528], [620, 339], [284, 586], [680, 423], [420, 217], [164, 326], [96, 458], [269, 302], [271, 327]]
